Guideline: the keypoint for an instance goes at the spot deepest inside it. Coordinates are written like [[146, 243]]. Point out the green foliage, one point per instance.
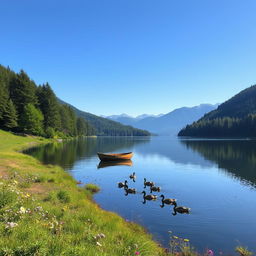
[[49, 106], [6, 197], [28, 108], [10, 116], [92, 188], [32, 120], [106, 127], [22, 91], [63, 196], [3, 99]]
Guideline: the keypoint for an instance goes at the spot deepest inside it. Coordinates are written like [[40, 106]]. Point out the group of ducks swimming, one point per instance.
[[151, 184]]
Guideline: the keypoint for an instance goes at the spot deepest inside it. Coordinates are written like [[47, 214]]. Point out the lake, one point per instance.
[[215, 178]]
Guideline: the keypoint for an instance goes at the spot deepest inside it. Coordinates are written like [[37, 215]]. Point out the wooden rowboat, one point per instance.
[[114, 157]]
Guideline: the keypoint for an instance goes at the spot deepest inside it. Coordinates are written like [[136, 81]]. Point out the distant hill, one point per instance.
[[106, 127], [235, 117], [167, 124]]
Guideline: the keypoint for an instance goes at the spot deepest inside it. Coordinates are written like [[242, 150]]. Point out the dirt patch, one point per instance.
[[36, 189], [3, 172]]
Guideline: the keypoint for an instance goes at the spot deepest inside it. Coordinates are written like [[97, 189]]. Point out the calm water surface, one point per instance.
[[215, 178]]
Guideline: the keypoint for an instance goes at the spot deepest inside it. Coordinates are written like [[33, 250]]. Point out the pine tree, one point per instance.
[[22, 91], [49, 106], [32, 120], [3, 100], [10, 116], [81, 126]]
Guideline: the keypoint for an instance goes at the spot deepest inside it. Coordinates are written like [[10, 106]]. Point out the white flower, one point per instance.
[[11, 225], [22, 210], [99, 244]]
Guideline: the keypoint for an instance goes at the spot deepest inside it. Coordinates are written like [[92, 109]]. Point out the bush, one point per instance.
[[63, 196], [92, 188]]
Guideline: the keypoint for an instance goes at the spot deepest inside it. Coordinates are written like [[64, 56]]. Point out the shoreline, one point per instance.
[[74, 220]]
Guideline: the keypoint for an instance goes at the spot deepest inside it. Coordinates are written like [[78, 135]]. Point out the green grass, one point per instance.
[[92, 188]]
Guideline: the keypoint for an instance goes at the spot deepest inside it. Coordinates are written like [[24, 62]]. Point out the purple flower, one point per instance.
[[210, 252], [137, 253]]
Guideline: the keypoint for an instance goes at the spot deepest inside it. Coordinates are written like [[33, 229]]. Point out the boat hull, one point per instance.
[[115, 157]]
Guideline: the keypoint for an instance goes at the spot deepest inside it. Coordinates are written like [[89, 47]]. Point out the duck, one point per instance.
[[168, 200], [180, 209], [129, 190], [122, 184], [148, 183], [149, 197], [154, 188], [133, 176]]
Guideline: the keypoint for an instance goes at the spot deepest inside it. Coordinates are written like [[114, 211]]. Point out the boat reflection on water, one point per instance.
[[104, 164]]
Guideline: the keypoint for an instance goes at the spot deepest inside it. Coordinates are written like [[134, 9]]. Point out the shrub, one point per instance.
[[63, 196], [92, 188]]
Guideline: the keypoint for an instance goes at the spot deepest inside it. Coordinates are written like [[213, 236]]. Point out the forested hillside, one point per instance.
[[34, 109], [235, 117], [106, 127], [31, 109]]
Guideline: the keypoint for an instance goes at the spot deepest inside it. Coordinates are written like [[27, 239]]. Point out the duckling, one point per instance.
[[149, 197], [154, 188], [122, 184], [168, 200], [129, 190], [133, 176], [180, 209], [148, 183]]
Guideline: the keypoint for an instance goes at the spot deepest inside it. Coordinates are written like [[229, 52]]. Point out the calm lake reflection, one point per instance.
[[215, 178]]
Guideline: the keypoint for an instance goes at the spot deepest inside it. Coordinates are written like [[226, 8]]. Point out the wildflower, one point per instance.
[[102, 235], [11, 225], [186, 240], [136, 246], [137, 253], [15, 182], [210, 252], [22, 210], [175, 237], [99, 244]]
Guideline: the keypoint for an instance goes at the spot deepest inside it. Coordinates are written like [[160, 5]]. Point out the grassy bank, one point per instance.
[[43, 212]]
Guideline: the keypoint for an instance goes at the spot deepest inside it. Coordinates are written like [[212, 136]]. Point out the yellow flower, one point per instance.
[[15, 181], [175, 237], [186, 240]]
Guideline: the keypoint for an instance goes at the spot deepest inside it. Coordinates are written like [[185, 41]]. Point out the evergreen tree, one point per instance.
[[49, 106], [3, 100], [22, 92], [10, 116], [81, 126], [32, 120]]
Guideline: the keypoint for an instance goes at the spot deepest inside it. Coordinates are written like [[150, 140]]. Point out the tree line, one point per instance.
[[222, 127], [31, 109]]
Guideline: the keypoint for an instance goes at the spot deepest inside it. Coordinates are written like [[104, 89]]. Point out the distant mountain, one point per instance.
[[166, 124], [106, 127], [235, 117]]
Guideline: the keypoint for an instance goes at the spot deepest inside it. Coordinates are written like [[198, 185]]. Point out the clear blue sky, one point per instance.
[[133, 56]]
